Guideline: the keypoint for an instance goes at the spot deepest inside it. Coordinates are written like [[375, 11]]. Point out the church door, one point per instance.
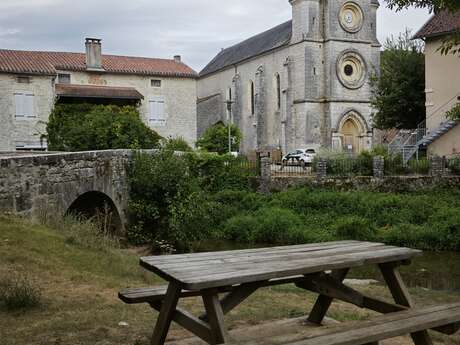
[[350, 133]]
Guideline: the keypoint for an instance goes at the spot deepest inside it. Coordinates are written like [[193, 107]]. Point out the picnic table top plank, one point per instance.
[[210, 270]]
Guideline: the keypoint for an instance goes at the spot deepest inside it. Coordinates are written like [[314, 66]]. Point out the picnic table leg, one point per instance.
[[401, 296], [215, 317], [167, 311], [323, 302]]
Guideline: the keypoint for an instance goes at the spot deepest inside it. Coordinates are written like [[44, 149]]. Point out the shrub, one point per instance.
[[176, 144], [215, 139], [18, 293], [354, 228], [85, 127], [267, 226]]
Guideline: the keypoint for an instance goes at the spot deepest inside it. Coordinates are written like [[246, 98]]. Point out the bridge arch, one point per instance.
[[99, 206]]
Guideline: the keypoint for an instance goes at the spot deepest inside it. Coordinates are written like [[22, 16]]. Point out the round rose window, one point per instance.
[[351, 70], [351, 17]]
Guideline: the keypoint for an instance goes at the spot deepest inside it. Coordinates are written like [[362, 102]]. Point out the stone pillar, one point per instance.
[[321, 169], [260, 113], [436, 166], [265, 174], [379, 167]]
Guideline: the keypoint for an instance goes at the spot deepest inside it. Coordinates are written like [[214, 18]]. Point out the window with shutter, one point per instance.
[[157, 117], [25, 105]]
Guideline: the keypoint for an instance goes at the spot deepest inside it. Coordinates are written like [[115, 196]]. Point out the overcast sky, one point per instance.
[[195, 29]]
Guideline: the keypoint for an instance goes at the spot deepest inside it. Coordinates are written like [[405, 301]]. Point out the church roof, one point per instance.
[[440, 24], [254, 46]]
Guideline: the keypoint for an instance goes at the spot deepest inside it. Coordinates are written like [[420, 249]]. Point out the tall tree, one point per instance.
[[451, 44], [398, 93]]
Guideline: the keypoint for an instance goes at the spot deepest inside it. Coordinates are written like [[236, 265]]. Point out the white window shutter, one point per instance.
[[157, 112], [29, 105], [19, 102]]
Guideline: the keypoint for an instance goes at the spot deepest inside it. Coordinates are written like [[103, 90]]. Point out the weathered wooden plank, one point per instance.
[[267, 258], [275, 255], [388, 326], [220, 254], [215, 316], [401, 296], [166, 316], [240, 275], [323, 302], [307, 260]]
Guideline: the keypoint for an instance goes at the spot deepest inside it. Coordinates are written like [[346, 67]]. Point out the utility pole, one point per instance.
[[229, 124]]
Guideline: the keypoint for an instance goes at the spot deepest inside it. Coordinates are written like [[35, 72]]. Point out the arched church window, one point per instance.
[[253, 97], [229, 94], [278, 91]]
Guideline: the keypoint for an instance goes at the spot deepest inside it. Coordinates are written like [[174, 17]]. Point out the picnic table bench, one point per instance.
[[320, 268]]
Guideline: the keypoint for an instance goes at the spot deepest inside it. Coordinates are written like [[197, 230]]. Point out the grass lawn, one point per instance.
[[79, 281]]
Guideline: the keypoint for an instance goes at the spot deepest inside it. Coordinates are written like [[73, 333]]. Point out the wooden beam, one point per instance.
[[326, 285], [323, 302], [401, 296], [215, 316], [167, 311], [188, 321]]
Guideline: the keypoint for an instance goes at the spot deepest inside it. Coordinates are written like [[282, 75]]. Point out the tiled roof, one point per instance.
[[440, 24], [254, 46], [16, 61], [91, 91]]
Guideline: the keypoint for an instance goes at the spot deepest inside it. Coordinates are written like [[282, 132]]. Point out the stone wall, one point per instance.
[[30, 183]]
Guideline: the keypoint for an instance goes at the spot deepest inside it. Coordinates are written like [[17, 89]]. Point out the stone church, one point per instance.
[[302, 84]]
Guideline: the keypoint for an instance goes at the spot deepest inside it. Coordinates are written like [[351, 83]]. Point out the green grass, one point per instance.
[[78, 282]]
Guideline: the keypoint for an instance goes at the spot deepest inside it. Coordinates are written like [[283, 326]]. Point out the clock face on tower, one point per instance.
[[351, 17]]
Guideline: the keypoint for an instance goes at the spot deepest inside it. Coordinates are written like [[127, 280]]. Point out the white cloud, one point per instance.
[[196, 29]]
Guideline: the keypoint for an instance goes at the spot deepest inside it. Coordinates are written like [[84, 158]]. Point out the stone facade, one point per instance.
[[31, 83], [26, 131], [315, 104], [56, 181]]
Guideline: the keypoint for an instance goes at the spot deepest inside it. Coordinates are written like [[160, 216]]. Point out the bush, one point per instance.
[[215, 139], [266, 226], [176, 144], [354, 228], [18, 293], [86, 127]]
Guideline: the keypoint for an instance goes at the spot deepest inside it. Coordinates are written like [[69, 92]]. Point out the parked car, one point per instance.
[[300, 156]]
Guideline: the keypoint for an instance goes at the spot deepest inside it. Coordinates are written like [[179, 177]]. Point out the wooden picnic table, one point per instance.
[[320, 268]]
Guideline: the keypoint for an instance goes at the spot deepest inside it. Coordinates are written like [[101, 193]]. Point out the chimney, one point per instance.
[[93, 54], [178, 58]]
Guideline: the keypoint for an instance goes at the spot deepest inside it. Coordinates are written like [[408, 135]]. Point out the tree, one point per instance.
[[451, 44], [398, 93], [454, 113], [215, 139], [85, 127]]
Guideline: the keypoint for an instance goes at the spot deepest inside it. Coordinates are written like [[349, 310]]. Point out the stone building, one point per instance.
[[301, 84], [31, 82], [442, 85]]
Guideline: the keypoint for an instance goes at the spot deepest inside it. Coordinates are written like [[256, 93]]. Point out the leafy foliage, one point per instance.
[[85, 127], [176, 144], [215, 139], [398, 93], [454, 113], [170, 201], [451, 43]]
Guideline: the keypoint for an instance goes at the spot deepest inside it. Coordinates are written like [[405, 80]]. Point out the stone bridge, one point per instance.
[[62, 183]]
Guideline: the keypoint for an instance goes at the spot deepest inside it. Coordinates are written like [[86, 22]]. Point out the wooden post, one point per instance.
[[215, 315], [401, 296], [166, 314]]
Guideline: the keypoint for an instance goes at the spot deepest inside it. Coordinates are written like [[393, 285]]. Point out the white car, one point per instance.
[[300, 156]]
